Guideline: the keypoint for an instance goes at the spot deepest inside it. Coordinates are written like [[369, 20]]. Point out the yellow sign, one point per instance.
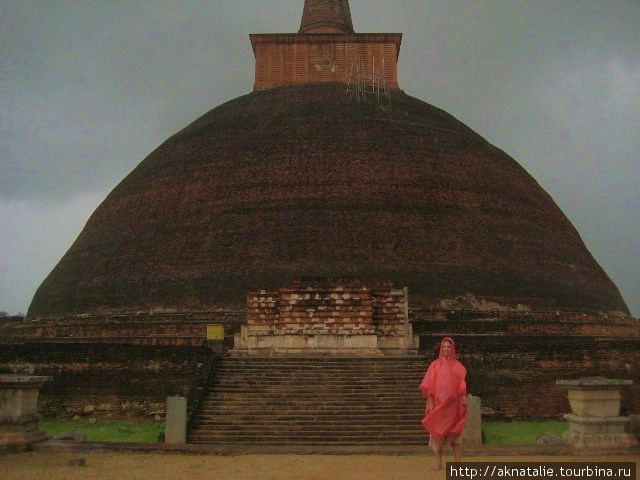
[[215, 332]]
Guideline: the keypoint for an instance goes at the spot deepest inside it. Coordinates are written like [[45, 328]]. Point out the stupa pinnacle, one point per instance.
[[325, 50], [326, 16]]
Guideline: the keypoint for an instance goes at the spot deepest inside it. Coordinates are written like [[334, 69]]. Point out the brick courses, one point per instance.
[[326, 49], [291, 59], [513, 357], [332, 306], [301, 181]]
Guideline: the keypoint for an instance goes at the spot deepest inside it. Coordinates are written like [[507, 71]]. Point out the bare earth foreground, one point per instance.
[[131, 466]]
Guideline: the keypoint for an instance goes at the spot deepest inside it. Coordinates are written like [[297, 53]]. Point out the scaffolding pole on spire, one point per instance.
[[361, 83]]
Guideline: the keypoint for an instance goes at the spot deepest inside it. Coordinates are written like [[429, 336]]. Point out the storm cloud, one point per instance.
[[88, 89]]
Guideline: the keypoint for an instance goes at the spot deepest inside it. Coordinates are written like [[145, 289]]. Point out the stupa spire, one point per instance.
[[326, 16], [326, 49]]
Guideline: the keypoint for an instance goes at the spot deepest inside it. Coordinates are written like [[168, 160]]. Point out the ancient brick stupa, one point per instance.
[[326, 188], [326, 169]]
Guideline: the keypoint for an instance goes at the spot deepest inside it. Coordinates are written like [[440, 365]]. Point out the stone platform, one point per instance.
[[340, 315], [595, 421]]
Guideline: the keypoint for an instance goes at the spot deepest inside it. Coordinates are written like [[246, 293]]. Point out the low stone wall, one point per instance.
[[130, 363], [117, 381], [169, 329], [515, 375], [509, 321]]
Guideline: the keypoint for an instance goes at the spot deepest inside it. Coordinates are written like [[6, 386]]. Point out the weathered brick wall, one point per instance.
[[513, 365], [289, 59], [262, 310], [513, 358], [390, 310], [178, 329], [328, 306], [338, 309], [118, 381], [543, 323]]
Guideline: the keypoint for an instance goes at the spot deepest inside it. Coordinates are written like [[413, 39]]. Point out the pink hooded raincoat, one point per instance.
[[445, 381]]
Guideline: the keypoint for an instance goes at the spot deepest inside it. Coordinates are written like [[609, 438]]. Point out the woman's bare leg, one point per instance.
[[457, 452], [438, 452]]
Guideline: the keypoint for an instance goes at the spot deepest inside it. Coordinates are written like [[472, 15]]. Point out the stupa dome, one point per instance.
[[304, 181]]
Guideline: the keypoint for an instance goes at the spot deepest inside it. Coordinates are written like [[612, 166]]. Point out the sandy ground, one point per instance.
[[124, 466]]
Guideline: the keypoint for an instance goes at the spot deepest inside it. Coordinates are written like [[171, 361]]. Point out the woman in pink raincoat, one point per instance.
[[445, 388]]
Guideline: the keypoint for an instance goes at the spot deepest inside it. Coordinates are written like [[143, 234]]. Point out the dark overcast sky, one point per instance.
[[88, 88]]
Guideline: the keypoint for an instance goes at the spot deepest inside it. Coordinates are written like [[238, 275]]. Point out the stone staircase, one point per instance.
[[296, 400]]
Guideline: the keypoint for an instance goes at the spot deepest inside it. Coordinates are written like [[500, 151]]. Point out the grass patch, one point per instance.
[[106, 430], [520, 432], [139, 431]]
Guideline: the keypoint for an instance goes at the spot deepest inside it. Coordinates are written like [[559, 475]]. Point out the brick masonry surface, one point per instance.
[[120, 381], [328, 306], [290, 59], [301, 180]]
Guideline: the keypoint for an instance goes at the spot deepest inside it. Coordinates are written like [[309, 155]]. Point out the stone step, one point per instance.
[[324, 372], [277, 374], [316, 379], [313, 401], [336, 429], [335, 378], [302, 385], [324, 435], [287, 375], [360, 382], [372, 433], [312, 406], [328, 439], [318, 390], [321, 413], [300, 419], [315, 392], [318, 413], [336, 402], [261, 428], [327, 370]]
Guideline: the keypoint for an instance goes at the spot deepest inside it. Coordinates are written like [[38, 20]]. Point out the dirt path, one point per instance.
[[124, 466]]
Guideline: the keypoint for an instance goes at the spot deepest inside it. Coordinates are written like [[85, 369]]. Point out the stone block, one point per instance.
[[594, 396], [595, 425], [472, 434], [597, 403], [175, 432]]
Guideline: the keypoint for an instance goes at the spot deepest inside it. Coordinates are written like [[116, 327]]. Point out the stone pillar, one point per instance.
[[175, 426], [472, 434], [19, 410], [595, 422]]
